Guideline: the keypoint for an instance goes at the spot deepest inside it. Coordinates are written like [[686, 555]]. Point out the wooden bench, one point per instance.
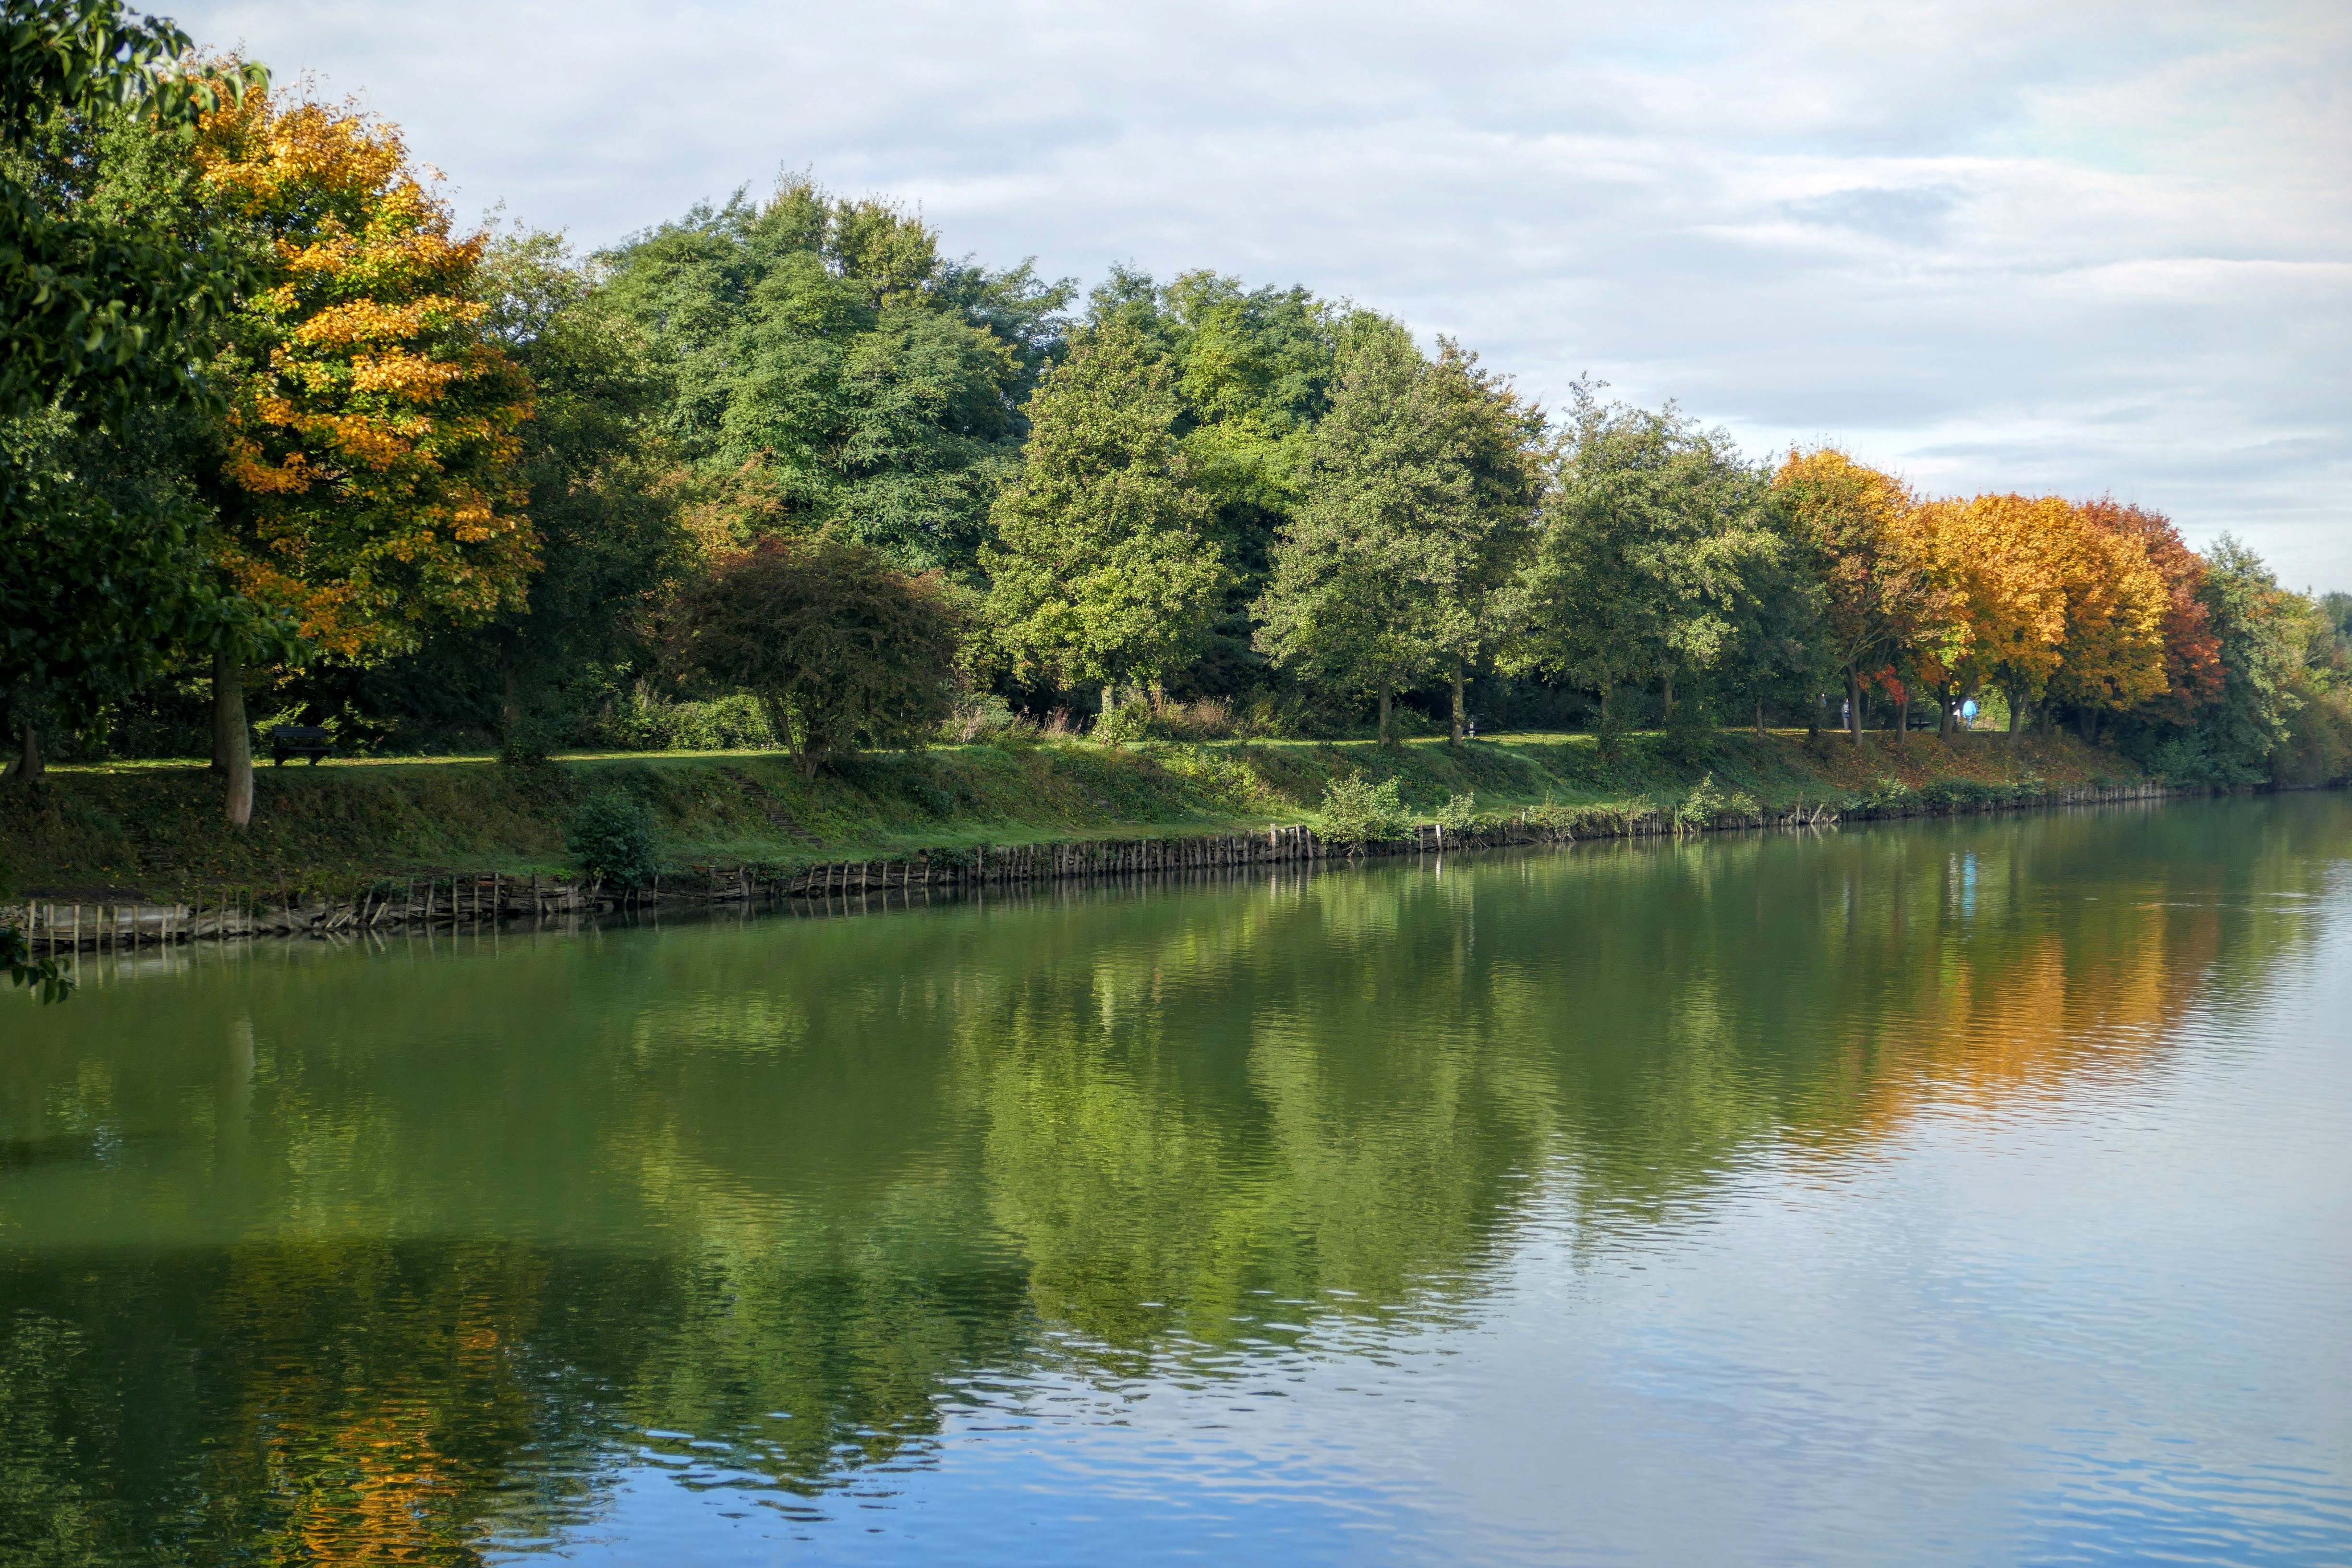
[[298, 740]]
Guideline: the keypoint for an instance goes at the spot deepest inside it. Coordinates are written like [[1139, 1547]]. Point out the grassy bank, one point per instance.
[[154, 829]]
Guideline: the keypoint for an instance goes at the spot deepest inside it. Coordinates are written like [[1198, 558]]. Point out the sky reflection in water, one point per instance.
[[1972, 1192]]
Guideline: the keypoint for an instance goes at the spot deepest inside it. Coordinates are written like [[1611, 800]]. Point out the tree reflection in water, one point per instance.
[[328, 1256]]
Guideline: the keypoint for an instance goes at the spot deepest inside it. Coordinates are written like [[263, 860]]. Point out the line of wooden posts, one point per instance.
[[464, 899]]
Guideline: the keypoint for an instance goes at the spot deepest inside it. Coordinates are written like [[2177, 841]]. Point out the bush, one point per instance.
[[1128, 721], [1688, 743], [1891, 796], [613, 836], [1458, 815], [1275, 717], [527, 743], [732, 723], [843, 650], [1216, 773], [1609, 732], [977, 716], [1358, 812], [1707, 804]]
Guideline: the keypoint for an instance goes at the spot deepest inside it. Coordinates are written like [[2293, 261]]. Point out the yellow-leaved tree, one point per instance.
[[2043, 601], [2006, 617], [2116, 602], [369, 484]]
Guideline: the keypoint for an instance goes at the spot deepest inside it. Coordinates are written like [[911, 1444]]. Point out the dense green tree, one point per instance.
[[1778, 654], [1103, 574], [825, 355], [1253, 373], [97, 317], [102, 318], [1658, 541], [840, 649], [1418, 491], [2261, 651]]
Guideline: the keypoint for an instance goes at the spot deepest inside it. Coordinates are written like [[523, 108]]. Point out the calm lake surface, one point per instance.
[[1973, 1192]]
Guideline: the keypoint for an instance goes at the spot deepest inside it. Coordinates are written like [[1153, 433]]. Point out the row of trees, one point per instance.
[[276, 426]]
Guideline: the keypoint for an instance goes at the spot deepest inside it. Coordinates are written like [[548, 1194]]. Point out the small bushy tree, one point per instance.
[[839, 647], [1357, 811], [612, 836]]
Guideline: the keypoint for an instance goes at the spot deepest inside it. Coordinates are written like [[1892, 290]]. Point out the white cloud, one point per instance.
[[2100, 247]]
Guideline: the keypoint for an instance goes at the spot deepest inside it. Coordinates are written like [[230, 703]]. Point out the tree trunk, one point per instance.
[[1903, 716], [1461, 709], [2016, 714], [27, 768], [1386, 686], [233, 738], [1667, 692], [1759, 718], [509, 699], [1853, 708]]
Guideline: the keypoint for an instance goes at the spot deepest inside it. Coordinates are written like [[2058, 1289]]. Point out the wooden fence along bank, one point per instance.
[[462, 900]]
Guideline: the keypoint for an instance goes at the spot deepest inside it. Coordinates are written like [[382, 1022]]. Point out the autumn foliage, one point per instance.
[[372, 428], [2092, 607]]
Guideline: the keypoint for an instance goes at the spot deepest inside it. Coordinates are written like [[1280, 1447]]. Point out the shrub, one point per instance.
[[1128, 721], [1708, 805], [1609, 732], [1458, 815], [1276, 718], [1358, 812], [527, 742], [976, 716], [1688, 743], [842, 649], [1218, 775], [1559, 821], [612, 836], [732, 723]]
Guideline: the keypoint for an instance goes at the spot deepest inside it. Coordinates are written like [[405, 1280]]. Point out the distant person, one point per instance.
[[1969, 715]]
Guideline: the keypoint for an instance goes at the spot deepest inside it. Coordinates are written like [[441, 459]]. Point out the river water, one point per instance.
[[1974, 1191]]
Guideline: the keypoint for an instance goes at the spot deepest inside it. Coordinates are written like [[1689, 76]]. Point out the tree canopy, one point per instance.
[[824, 358], [1103, 575]]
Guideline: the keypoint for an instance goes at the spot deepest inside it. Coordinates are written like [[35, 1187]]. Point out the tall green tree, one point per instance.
[[1103, 573], [1656, 543], [102, 318], [2261, 648], [824, 354], [1418, 494], [1253, 371]]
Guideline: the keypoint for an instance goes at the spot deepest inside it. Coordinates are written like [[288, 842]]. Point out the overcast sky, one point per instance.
[[2084, 247]]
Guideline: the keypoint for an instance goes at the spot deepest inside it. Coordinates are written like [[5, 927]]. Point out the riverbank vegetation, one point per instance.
[[129, 830], [283, 446]]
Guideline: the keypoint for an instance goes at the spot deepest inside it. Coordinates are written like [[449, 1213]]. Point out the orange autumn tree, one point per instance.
[[369, 484], [2192, 649], [2113, 657], [1854, 522]]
